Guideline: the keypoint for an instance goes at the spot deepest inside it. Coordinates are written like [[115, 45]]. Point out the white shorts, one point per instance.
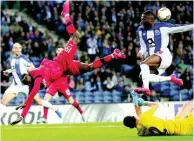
[[166, 60], [18, 89]]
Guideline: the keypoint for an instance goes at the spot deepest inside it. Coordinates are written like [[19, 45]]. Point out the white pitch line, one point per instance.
[[69, 127]]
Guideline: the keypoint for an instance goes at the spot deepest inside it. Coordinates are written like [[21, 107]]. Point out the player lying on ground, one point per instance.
[[49, 71], [60, 85], [154, 39], [19, 66], [149, 125]]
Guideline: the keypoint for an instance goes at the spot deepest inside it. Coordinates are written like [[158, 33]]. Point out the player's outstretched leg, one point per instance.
[[117, 54], [172, 78]]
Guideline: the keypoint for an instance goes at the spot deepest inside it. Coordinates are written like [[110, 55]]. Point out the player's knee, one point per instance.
[[3, 102], [70, 100], [189, 104], [38, 101], [47, 97]]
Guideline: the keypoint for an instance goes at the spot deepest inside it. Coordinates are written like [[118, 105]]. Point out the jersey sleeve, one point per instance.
[[142, 43], [34, 90], [176, 28]]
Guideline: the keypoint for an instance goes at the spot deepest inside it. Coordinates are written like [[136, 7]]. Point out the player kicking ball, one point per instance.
[[149, 125], [60, 85], [49, 71], [154, 39]]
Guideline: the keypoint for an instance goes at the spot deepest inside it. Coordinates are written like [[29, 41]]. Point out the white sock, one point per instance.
[[48, 105], [157, 78], [2, 109], [145, 70]]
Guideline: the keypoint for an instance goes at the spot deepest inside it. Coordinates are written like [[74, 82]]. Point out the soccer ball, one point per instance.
[[164, 14]]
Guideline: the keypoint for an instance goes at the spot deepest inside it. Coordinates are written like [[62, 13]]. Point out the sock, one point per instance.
[[100, 62], [157, 78], [76, 105], [145, 75], [70, 28], [67, 19], [48, 105], [45, 113], [2, 109]]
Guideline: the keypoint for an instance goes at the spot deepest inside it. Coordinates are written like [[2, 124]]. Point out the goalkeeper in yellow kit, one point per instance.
[[148, 125]]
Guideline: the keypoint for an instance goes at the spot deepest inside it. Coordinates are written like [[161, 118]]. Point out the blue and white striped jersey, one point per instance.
[[157, 38], [19, 67]]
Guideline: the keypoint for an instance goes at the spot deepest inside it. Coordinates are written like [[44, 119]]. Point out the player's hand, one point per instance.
[[6, 73], [140, 56]]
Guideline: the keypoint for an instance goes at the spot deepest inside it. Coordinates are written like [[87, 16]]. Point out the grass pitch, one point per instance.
[[79, 132]]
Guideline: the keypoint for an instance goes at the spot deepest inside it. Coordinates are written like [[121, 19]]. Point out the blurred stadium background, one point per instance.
[[37, 25], [103, 26]]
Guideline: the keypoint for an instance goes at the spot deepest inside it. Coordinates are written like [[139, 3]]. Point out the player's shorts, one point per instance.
[[60, 85], [166, 60], [17, 89]]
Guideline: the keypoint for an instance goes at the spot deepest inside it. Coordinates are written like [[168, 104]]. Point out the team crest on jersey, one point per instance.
[[157, 32]]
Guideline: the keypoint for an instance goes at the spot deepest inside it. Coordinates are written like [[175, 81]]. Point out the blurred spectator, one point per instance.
[[99, 85], [109, 85], [71, 83], [80, 85], [92, 47]]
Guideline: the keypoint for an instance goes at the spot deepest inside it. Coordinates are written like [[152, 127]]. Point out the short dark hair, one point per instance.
[[129, 121], [148, 12]]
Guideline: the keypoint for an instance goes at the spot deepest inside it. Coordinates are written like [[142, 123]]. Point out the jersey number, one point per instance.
[[68, 92], [68, 48]]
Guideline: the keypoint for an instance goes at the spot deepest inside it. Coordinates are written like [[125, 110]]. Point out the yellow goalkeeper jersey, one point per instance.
[[151, 125]]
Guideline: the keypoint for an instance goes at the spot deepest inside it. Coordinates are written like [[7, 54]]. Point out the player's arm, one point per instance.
[[142, 50], [7, 72], [138, 102], [34, 90], [176, 28]]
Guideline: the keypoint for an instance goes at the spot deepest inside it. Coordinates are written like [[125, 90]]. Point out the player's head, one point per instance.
[[130, 121], [59, 50], [147, 19], [17, 49], [27, 79]]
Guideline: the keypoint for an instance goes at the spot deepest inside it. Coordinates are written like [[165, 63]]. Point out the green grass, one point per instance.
[[79, 132]]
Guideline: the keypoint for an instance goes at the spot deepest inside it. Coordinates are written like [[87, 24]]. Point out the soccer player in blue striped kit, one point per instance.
[[154, 39]]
